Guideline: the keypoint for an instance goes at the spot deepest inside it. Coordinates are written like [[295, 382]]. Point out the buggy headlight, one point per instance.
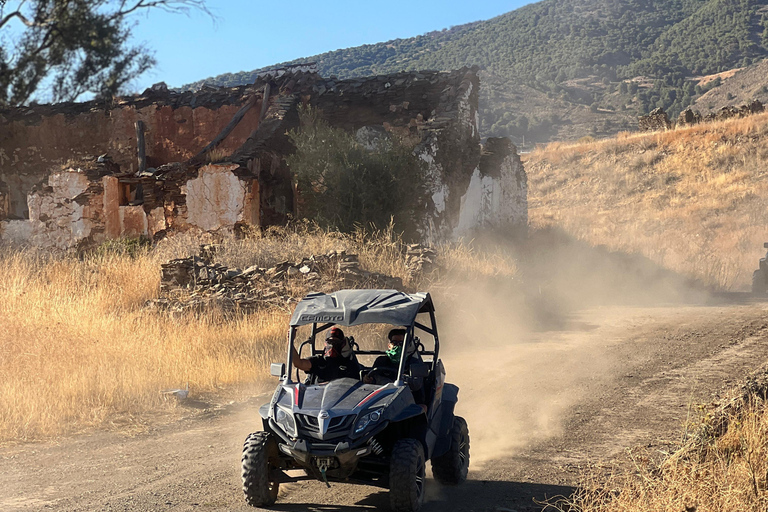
[[285, 420], [367, 419]]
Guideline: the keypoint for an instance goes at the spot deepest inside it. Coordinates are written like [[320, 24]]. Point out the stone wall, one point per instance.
[[253, 186], [656, 120], [497, 195], [5, 200], [35, 140]]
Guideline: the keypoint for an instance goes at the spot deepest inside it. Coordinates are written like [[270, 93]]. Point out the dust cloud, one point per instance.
[[524, 352]]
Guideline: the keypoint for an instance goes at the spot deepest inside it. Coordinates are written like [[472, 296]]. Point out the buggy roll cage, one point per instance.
[[357, 307]]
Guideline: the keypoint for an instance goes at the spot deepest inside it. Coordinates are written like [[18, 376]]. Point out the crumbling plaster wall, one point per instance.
[[217, 198], [75, 208], [66, 209], [34, 140], [497, 195]]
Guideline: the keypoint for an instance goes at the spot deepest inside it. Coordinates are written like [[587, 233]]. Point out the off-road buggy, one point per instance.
[[760, 276], [349, 431]]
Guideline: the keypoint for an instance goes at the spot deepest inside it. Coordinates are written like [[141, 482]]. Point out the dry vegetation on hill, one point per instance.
[[722, 464], [78, 350], [691, 200]]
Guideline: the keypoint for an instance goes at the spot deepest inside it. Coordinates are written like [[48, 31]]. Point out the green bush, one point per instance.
[[343, 184]]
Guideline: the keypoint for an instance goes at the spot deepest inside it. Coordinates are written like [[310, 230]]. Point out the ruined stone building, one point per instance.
[[54, 192]]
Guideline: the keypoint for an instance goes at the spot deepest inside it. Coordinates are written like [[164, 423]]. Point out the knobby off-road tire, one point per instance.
[[759, 282], [451, 467], [406, 476], [259, 454]]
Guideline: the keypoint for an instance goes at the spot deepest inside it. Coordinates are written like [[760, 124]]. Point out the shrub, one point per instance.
[[342, 183]]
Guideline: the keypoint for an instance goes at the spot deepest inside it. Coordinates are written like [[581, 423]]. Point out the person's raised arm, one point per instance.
[[302, 364]]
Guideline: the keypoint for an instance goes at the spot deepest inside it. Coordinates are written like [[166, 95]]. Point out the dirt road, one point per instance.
[[540, 405]]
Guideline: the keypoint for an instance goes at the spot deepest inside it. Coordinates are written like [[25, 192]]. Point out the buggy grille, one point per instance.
[[337, 426], [308, 423]]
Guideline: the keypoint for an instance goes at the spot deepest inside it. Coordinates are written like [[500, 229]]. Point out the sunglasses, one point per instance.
[[336, 342]]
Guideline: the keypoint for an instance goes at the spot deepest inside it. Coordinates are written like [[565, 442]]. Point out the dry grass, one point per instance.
[[722, 467], [462, 260], [692, 200], [78, 351]]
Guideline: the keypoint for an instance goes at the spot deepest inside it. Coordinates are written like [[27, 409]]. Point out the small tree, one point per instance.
[[79, 46], [342, 184]]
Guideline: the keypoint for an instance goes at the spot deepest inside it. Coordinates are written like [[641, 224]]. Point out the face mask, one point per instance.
[[394, 353], [337, 348], [331, 351]]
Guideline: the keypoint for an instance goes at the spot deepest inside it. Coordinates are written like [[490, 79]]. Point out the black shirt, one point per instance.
[[326, 369], [385, 362], [416, 385]]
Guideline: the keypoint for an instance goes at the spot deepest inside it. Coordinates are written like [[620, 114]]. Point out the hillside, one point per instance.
[[547, 64], [692, 200], [745, 85]]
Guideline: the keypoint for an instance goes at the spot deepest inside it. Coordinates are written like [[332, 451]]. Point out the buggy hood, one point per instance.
[[355, 307]]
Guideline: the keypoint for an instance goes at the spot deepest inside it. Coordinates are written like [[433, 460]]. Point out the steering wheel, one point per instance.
[[384, 372]]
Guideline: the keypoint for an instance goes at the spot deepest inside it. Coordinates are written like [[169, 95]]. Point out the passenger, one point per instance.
[[387, 366], [389, 363], [337, 361]]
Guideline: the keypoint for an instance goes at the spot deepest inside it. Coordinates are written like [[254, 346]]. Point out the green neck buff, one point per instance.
[[394, 353]]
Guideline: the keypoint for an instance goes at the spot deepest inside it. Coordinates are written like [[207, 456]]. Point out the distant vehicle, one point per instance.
[[760, 276], [349, 431]]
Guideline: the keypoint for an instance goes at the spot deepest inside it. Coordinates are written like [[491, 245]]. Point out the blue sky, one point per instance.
[[252, 34]]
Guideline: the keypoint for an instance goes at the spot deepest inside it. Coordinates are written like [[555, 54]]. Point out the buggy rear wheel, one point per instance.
[[758, 281], [407, 476], [451, 467], [259, 457]]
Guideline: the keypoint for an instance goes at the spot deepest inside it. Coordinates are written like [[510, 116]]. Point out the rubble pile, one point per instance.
[[656, 120], [196, 282], [755, 107], [420, 260], [688, 117]]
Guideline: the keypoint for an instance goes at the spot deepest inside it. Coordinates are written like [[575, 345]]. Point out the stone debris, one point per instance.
[[754, 107], [658, 119], [196, 283], [688, 117], [420, 261]]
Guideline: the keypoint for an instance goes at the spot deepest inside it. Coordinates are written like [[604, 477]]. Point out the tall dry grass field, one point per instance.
[[693, 200], [79, 351], [722, 467]]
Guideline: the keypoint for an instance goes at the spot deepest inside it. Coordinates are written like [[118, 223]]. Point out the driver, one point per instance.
[[337, 361]]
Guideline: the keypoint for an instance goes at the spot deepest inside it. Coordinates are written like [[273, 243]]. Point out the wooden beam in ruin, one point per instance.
[[234, 122], [141, 148]]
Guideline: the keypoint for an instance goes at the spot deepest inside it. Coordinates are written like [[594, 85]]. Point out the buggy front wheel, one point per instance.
[[407, 476], [259, 457]]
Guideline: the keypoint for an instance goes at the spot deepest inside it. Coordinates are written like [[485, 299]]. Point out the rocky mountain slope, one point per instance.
[[563, 69]]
